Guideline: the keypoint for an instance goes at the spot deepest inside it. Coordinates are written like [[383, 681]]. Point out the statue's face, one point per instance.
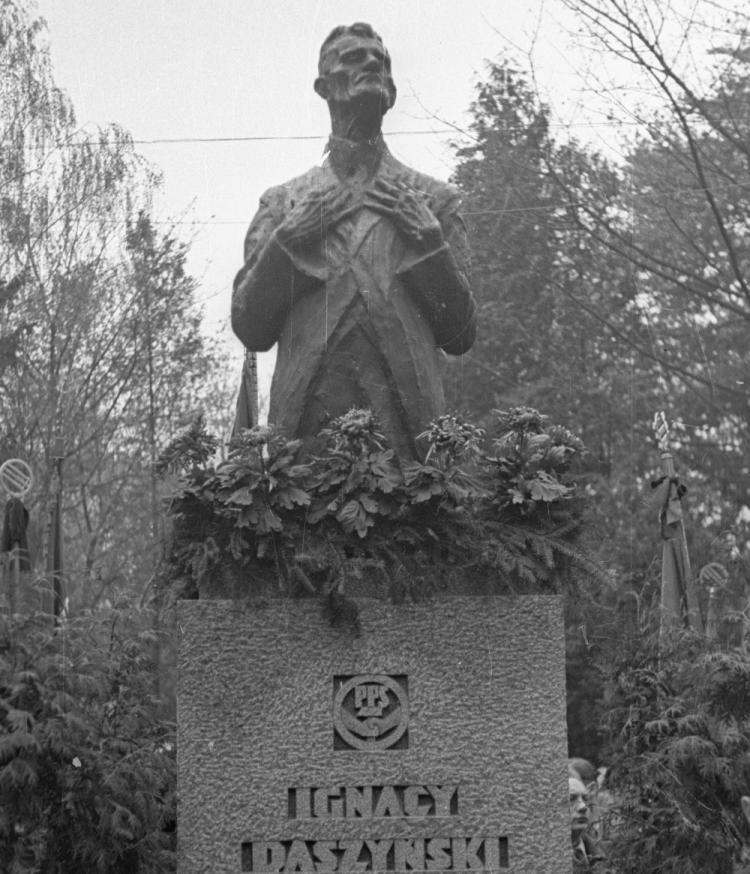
[[358, 69]]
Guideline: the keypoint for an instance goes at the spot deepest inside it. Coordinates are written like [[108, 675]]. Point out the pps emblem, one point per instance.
[[370, 712]]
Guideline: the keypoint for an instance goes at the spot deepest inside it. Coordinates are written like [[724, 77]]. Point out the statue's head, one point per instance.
[[354, 67]]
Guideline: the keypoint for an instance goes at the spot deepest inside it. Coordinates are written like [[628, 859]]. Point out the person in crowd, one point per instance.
[[585, 820], [580, 822], [584, 770]]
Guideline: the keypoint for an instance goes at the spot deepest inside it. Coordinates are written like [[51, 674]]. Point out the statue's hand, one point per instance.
[[310, 219], [409, 212]]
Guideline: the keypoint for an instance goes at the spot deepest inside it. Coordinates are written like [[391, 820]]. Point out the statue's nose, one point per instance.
[[372, 62]]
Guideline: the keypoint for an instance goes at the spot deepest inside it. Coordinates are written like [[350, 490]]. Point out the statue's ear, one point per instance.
[[321, 87]]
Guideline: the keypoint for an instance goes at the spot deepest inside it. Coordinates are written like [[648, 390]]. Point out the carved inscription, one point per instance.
[[370, 712], [384, 854], [354, 802], [379, 802]]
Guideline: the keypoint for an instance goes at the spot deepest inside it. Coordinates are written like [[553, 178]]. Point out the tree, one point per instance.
[[610, 291], [678, 228], [679, 722], [87, 769], [683, 231], [108, 357], [530, 261]]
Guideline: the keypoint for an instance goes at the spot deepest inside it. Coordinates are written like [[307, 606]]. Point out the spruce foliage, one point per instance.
[[679, 724]]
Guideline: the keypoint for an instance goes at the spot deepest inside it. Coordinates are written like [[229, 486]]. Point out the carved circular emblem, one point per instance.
[[371, 711], [16, 477]]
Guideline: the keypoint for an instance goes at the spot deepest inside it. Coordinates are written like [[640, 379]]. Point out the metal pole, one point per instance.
[[14, 581]]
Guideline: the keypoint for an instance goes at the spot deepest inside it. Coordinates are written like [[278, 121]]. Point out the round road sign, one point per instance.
[[16, 477]]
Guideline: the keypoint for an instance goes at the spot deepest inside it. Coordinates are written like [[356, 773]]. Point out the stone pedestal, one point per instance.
[[434, 740]]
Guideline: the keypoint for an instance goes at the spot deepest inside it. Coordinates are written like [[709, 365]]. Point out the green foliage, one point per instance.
[[531, 462], [258, 483], [679, 724], [441, 482], [354, 509], [189, 449], [358, 478], [87, 770]]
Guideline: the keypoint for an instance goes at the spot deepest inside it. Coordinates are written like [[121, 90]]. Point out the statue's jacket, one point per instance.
[[360, 317]]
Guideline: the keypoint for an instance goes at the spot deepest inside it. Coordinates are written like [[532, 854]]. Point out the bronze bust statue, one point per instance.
[[358, 268]]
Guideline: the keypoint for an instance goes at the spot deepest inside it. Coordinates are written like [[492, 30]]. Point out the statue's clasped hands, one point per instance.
[[312, 217], [309, 220], [408, 211]]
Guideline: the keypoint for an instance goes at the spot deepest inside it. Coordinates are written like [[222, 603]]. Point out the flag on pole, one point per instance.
[[246, 415], [679, 598]]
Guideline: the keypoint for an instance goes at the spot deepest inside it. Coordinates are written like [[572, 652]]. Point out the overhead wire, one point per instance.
[[455, 130], [444, 131]]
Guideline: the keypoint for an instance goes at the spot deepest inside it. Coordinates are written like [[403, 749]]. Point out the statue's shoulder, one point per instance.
[[279, 197]]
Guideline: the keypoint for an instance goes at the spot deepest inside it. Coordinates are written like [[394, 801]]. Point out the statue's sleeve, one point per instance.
[[271, 279], [439, 280]]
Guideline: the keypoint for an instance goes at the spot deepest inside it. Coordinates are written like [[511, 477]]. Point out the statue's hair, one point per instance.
[[359, 28]]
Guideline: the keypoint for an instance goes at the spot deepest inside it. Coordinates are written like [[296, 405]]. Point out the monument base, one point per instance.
[[432, 740]]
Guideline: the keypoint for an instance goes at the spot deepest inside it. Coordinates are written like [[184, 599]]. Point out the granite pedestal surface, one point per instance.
[[432, 740]]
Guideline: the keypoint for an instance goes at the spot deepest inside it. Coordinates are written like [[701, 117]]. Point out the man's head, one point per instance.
[[355, 68], [580, 813], [583, 769]]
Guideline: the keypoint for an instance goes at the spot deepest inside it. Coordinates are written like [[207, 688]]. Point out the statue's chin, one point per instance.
[[367, 103]]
